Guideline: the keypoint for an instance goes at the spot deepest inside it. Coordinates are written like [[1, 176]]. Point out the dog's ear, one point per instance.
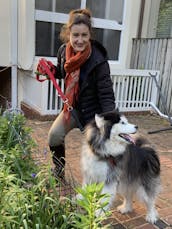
[[99, 121]]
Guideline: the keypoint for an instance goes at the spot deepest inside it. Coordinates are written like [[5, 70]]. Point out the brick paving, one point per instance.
[[161, 141]]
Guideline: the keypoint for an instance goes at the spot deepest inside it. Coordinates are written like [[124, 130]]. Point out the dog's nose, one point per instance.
[[136, 127]]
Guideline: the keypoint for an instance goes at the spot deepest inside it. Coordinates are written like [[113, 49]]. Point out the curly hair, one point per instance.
[[78, 16]]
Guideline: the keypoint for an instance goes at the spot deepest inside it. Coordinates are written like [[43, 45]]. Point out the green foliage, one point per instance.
[[92, 203], [29, 198], [32, 205], [16, 145], [14, 132], [164, 19]]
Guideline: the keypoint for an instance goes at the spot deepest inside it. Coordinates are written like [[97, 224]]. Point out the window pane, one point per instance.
[[112, 9], [59, 6], [47, 38], [43, 5], [97, 8], [110, 40], [67, 5]]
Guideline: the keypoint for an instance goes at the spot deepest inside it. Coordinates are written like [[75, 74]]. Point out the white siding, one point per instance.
[[5, 32], [26, 34]]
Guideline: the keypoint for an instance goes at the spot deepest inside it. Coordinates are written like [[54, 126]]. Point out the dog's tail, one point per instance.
[[142, 161]]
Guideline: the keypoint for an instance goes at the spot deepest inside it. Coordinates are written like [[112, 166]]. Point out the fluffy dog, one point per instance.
[[111, 156]]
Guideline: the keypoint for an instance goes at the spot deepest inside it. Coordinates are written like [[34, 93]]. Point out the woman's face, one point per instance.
[[79, 37]]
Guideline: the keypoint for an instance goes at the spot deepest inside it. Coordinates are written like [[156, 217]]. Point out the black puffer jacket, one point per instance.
[[96, 91]]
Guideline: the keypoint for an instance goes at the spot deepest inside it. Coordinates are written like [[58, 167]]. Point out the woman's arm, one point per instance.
[[105, 87]]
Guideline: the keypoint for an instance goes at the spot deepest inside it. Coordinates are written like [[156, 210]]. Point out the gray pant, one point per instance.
[[59, 130]]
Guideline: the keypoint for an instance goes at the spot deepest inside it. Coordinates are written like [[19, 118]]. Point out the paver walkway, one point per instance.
[[161, 141]]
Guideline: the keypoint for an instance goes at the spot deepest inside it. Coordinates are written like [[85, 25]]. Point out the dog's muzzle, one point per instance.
[[127, 138]]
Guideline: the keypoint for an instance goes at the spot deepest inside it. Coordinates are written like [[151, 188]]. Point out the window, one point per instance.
[[108, 23]]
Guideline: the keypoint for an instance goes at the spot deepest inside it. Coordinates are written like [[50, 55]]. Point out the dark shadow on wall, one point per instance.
[[5, 87]]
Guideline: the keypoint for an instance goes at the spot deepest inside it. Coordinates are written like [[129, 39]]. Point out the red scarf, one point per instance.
[[72, 68]]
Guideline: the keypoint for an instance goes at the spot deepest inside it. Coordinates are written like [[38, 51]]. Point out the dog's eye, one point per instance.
[[122, 122]]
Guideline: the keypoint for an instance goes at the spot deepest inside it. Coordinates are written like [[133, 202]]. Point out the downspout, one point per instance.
[[142, 7], [14, 53]]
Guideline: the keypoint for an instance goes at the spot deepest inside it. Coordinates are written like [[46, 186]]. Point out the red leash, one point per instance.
[[46, 68]]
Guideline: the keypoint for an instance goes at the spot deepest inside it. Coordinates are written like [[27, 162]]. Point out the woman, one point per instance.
[[83, 64]]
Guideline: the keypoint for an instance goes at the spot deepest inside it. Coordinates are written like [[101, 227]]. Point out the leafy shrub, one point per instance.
[[16, 145], [29, 198]]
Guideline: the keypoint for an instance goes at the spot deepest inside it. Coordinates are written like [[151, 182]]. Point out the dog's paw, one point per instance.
[[152, 217], [124, 209]]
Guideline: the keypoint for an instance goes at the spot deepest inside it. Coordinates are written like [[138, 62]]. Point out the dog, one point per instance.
[[125, 166]]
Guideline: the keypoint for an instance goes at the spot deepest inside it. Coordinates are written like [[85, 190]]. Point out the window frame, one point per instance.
[[62, 18]]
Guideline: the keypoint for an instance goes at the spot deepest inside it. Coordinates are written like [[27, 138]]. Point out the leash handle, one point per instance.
[[41, 71], [46, 69]]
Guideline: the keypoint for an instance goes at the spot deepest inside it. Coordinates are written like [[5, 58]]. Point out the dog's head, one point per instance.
[[112, 126]]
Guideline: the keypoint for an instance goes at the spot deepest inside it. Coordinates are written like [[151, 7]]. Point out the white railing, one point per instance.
[[135, 90], [52, 103]]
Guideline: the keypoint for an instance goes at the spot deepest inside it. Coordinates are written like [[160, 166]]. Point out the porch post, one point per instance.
[[14, 52]]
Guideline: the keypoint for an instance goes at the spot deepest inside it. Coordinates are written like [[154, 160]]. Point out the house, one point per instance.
[[30, 29]]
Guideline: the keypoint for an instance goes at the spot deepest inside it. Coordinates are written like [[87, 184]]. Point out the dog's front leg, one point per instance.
[[110, 189], [127, 202]]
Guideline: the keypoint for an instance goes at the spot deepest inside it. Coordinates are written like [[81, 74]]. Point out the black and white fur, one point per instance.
[[110, 156]]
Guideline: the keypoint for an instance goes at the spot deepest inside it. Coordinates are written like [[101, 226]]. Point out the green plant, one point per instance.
[[16, 145], [33, 204], [29, 198], [13, 131], [28, 193], [92, 202]]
